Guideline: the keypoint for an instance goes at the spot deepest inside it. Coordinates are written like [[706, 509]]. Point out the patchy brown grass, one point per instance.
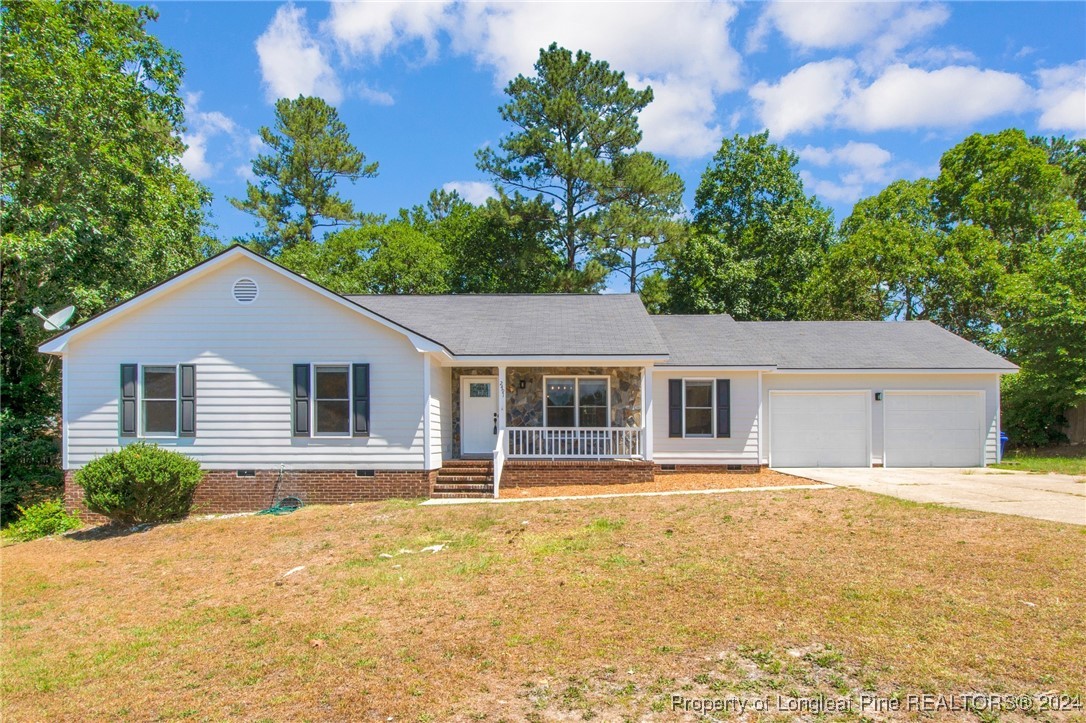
[[663, 483], [540, 611]]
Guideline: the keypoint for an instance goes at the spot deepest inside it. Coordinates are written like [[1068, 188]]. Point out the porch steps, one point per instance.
[[464, 478]]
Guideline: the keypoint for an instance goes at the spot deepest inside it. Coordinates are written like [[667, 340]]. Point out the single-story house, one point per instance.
[[279, 386]]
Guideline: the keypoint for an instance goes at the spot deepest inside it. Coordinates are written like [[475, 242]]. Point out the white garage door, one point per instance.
[[819, 429], [934, 429]]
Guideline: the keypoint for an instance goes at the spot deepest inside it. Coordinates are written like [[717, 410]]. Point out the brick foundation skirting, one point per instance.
[[545, 473], [222, 491], [709, 468]]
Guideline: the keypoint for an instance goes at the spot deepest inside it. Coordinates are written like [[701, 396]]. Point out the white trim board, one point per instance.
[[57, 344]]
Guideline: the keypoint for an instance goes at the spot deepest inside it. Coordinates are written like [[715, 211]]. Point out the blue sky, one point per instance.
[[864, 93]]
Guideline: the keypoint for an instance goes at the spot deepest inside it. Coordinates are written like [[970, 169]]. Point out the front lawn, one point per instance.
[[1071, 461], [537, 611]]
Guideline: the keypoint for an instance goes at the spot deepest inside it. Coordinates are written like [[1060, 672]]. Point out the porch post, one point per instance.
[[502, 381], [646, 410]]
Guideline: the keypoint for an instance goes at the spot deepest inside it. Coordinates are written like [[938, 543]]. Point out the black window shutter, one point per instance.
[[674, 407], [129, 379], [301, 400], [361, 400], [188, 401], [723, 407]]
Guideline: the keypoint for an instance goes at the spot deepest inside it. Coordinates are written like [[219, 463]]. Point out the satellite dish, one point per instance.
[[57, 321]]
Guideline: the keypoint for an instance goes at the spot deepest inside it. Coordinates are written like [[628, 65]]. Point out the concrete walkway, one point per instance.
[[1055, 497], [508, 500]]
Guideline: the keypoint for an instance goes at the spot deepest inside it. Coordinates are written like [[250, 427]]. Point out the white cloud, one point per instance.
[[868, 159], [823, 25], [688, 66], [880, 28], [845, 191], [902, 97], [476, 192], [857, 164], [906, 97], [202, 127], [372, 95], [678, 122], [292, 62], [373, 28], [805, 98], [1062, 98]]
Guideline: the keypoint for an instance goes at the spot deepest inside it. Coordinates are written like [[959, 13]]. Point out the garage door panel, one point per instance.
[[822, 429], [933, 429]]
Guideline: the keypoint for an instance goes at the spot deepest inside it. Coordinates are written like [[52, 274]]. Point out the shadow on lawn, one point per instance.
[[109, 531]]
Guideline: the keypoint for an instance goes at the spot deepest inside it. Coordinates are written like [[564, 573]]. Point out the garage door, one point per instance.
[[819, 429], [934, 429]]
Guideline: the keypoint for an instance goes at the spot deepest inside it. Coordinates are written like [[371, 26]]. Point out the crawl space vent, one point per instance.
[[245, 291]]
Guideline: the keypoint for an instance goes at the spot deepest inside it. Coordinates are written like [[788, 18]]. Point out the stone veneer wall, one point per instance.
[[458, 372], [222, 491], [524, 407]]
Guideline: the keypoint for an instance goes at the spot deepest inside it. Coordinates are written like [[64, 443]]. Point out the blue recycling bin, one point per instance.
[[1003, 439]]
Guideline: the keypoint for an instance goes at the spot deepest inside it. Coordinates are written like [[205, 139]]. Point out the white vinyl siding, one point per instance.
[[244, 356], [740, 448], [903, 381], [440, 414]]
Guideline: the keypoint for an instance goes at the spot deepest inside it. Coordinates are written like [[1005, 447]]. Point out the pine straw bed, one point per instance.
[[672, 482]]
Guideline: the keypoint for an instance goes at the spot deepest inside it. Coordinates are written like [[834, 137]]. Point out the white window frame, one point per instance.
[[350, 400], [141, 398], [712, 407], [577, 397]]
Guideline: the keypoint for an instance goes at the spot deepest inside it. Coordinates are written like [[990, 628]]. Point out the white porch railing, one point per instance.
[[570, 442]]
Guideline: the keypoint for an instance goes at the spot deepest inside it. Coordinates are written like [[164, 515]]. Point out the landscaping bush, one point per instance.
[[140, 483], [45, 518]]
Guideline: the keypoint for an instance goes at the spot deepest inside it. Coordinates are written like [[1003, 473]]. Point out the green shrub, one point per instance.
[[140, 483], [40, 520]]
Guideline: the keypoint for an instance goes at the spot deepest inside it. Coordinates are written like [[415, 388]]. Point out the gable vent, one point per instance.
[[245, 291]]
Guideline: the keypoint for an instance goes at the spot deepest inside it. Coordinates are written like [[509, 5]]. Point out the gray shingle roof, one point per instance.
[[526, 324], [719, 341]]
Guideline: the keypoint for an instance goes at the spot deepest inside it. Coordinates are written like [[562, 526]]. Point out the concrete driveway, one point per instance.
[[1055, 497]]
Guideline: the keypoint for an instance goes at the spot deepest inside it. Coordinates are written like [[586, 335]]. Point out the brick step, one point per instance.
[[461, 495], [467, 463], [465, 470], [442, 478], [464, 486]]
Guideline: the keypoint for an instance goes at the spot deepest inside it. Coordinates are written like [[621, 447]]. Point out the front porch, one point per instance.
[[545, 425], [552, 413]]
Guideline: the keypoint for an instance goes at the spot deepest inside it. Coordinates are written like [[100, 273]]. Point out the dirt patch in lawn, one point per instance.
[[663, 483], [572, 610]]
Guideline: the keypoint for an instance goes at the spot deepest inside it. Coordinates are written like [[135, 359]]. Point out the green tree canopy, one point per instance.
[[497, 247], [642, 218], [758, 236], [994, 250], [378, 258], [295, 193], [574, 118], [96, 205]]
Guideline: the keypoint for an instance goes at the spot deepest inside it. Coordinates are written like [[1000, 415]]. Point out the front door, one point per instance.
[[478, 415]]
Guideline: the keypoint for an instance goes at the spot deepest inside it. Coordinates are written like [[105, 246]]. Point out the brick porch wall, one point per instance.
[[222, 491], [540, 473], [708, 468]]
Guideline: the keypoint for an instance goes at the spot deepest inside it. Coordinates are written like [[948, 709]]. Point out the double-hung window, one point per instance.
[[576, 402], [332, 400], [159, 401], [698, 408]]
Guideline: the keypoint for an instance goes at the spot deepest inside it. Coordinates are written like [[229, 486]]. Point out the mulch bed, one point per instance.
[[663, 483]]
